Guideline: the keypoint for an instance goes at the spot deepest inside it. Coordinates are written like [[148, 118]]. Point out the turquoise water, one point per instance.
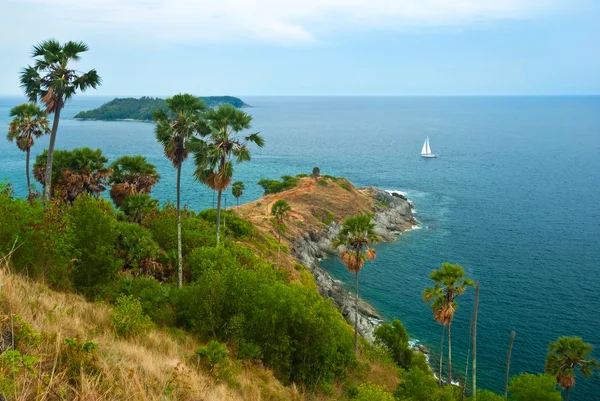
[[514, 197]]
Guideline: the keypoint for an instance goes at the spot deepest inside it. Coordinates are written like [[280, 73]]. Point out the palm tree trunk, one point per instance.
[[219, 216], [449, 379], [475, 310], [356, 317], [278, 247], [48, 172], [27, 171], [567, 393], [510, 345], [441, 355], [179, 253]]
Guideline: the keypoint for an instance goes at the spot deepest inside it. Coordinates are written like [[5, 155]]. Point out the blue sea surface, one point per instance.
[[514, 197]]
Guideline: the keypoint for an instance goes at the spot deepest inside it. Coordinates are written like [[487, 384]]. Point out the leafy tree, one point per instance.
[[174, 132], [53, 81], [394, 338], [529, 387], [137, 207], [280, 210], [77, 171], [449, 282], [417, 385], [131, 175], [276, 186], [237, 190], [29, 122], [356, 235], [213, 154], [316, 172], [95, 225], [138, 249], [565, 356]]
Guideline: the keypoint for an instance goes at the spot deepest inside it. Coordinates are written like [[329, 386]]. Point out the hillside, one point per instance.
[[141, 109]]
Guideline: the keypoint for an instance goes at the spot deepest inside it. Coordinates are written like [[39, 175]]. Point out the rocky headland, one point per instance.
[[318, 209]]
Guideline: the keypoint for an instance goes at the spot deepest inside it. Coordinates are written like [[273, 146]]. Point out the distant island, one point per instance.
[[141, 109]]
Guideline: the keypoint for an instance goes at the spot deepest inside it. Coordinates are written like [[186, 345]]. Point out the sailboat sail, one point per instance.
[[425, 149], [428, 148]]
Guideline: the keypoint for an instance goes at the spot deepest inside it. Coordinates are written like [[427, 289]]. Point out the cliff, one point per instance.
[[318, 209]]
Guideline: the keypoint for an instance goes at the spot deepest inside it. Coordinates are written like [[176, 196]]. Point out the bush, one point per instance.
[[41, 239], [417, 385], [371, 392], [530, 387], [95, 226], [129, 318], [137, 248], [138, 206], [485, 395], [214, 354], [249, 350], [275, 186], [394, 338], [79, 357], [233, 225]]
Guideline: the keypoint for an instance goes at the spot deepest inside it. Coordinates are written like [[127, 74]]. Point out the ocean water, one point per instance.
[[514, 197]]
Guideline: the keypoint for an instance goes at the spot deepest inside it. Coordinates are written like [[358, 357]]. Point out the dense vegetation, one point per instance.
[[143, 108]]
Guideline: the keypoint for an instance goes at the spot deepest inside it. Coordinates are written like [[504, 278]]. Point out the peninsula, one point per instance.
[[141, 109]]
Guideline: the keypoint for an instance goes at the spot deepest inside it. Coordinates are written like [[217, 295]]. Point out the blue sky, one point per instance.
[[316, 47]]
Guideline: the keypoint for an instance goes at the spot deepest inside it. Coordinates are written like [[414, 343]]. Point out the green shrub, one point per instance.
[[41, 239], [79, 357], [214, 354], [233, 225], [129, 318], [275, 186], [417, 385], [138, 206], [371, 392], [530, 387], [137, 247], [394, 338], [322, 181], [95, 226], [24, 335], [485, 395], [249, 350]]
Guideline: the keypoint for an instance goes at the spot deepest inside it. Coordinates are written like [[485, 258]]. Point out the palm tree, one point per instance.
[[356, 234], [173, 132], [53, 81], [29, 121], [280, 211], [131, 175], [449, 282], [237, 190], [213, 155], [566, 355]]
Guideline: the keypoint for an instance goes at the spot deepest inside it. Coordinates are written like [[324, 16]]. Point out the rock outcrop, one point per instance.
[[392, 216]]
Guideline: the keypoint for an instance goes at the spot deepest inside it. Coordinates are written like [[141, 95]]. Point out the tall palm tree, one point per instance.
[[237, 190], [213, 154], [173, 132], [565, 356], [131, 175], [29, 122], [449, 282], [280, 210], [357, 233], [53, 81]]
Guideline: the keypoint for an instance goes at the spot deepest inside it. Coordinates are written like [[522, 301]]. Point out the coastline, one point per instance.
[[393, 216]]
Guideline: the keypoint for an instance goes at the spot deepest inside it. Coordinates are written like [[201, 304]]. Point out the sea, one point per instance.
[[513, 196]]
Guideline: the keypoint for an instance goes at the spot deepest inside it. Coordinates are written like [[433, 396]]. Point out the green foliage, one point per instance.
[[214, 354], [79, 357], [236, 226], [485, 395], [137, 247], [275, 186], [24, 335], [565, 356], [129, 318], [316, 172], [210, 258], [42, 238], [96, 231], [143, 108], [12, 362], [417, 385], [138, 206], [329, 219], [322, 182], [372, 392], [249, 350], [530, 387], [419, 361], [237, 189], [394, 338], [302, 338]]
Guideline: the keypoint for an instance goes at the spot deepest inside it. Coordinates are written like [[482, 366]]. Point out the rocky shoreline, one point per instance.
[[393, 216]]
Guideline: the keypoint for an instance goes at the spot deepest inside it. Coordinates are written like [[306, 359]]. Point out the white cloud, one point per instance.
[[279, 21]]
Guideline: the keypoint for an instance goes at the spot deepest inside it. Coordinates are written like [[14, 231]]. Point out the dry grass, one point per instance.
[[156, 366]]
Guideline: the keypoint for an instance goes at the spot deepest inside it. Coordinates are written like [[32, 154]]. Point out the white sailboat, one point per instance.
[[426, 151]]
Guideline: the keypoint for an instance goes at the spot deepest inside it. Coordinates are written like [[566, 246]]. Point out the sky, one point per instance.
[[316, 47]]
